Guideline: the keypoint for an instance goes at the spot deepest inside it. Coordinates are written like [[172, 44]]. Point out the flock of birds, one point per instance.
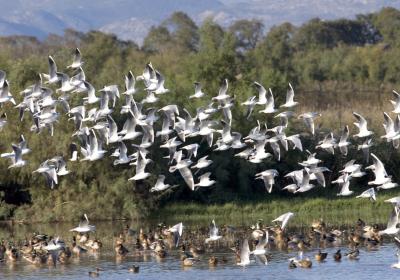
[[230, 245], [97, 133], [95, 129]]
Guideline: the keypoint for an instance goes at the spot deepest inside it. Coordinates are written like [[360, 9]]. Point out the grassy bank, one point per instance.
[[307, 208], [337, 211]]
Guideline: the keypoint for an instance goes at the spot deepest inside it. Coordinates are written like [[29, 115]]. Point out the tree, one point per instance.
[[157, 40], [183, 31], [247, 33], [387, 22]]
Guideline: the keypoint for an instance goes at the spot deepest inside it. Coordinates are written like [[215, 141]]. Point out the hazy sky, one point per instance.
[[131, 19]]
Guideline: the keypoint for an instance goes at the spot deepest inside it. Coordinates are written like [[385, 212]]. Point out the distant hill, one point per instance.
[[131, 19]]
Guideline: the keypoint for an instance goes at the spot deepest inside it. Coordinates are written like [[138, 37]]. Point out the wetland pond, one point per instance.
[[373, 263]]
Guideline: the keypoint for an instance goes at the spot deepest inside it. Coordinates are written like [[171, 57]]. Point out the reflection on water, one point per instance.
[[372, 264]]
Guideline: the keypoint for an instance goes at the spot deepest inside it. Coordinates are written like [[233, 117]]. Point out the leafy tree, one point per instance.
[[247, 33], [387, 22], [183, 30], [157, 40]]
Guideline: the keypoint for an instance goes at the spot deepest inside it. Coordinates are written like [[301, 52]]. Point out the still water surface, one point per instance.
[[373, 264]]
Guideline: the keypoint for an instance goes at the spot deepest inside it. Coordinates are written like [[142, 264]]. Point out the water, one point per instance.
[[373, 264]]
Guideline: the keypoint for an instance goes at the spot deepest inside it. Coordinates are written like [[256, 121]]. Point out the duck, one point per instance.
[[27, 248], [371, 231], [50, 259], [320, 256], [185, 254], [304, 263], [120, 250], [95, 273], [160, 249], [279, 235], [303, 245], [292, 264], [94, 245], [301, 262], [312, 235], [213, 261], [332, 237], [97, 245], [76, 249], [151, 237], [12, 254], [337, 256], [355, 239], [360, 224], [258, 232], [142, 236], [82, 237], [38, 238], [187, 261], [371, 243], [137, 245], [33, 258], [3, 250], [134, 269], [353, 254], [319, 225], [196, 251], [120, 239], [161, 254], [229, 230], [128, 232], [281, 242], [64, 255]]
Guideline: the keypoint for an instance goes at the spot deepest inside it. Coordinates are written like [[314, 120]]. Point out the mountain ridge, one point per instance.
[[131, 20]]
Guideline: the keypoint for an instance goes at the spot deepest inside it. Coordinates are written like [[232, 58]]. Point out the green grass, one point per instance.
[[335, 211]]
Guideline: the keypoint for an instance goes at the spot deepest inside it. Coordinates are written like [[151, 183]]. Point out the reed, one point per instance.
[[334, 211]]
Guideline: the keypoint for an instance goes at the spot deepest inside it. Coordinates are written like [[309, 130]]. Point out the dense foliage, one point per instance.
[[335, 67]]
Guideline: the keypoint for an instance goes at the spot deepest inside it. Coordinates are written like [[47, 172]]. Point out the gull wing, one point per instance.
[[362, 122], [290, 94], [224, 88], [345, 134], [388, 123], [141, 163], [77, 56], [197, 87], [122, 149], [346, 185], [379, 167], [310, 124], [2, 77], [84, 222], [393, 218], [295, 139], [130, 81], [160, 180], [213, 229], [286, 219], [262, 93], [17, 153], [205, 176], [177, 230], [245, 252], [263, 241], [187, 177], [52, 67], [53, 175]]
